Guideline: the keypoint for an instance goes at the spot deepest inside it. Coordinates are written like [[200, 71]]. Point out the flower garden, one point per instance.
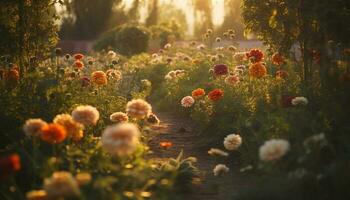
[[80, 125]]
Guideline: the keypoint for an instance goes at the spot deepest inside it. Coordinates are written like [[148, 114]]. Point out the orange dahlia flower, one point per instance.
[[99, 78], [197, 93], [37, 195], [216, 94], [78, 65], [15, 67], [53, 133], [277, 59], [165, 145], [9, 164], [257, 70], [78, 56], [12, 75]]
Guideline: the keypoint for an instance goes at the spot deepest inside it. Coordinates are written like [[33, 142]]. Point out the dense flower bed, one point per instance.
[[88, 124], [255, 106], [77, 127]]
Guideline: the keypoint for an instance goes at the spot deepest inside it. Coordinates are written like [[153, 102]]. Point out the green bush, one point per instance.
[[166, 32], [128, 40]]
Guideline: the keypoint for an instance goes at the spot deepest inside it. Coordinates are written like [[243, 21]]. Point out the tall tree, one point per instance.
[[133, 14], [233, 18], [27, 29], [203, 15], [152, 19], [90, 18], [312, 24]]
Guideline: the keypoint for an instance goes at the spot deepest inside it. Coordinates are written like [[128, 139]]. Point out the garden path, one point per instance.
[[180, 132]]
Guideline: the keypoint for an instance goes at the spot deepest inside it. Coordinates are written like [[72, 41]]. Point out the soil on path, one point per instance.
[[180, 132]]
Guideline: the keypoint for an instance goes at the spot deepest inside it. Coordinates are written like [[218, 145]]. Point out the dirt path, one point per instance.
[[180, 132]]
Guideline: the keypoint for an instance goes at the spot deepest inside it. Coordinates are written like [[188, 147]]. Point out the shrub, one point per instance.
[[128, 40]]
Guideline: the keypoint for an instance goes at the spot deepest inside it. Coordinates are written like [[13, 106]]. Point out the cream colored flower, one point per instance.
[[32, 127], [138, 109], [168, 77], [201, 47], [121, 139], [319, 139], [232, 48], [87, 115], [61, 184], [217, 152], [119, 117], [273, 149], [187, 101], [114, 74], [111, 54], [299, 101], [74, 129], [174, 74], [220, 169], [167, 46], [179, 72], [232, 142]]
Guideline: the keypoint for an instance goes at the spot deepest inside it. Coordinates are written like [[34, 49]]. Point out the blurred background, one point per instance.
[[83, 22]]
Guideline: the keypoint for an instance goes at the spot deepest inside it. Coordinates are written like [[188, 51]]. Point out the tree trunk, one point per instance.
[[21, 37]]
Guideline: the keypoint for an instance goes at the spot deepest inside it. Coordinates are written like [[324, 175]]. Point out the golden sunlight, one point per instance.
[[218, 10]]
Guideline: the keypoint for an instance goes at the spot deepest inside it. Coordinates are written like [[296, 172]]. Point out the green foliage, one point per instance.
[[316, 27], [27, 29], [166, 32], [87, 19], [128, 40], [181, 168]]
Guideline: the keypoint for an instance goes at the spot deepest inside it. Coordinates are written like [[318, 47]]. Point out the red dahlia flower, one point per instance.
[[255, 55], [220, 70], [85, 81], [78, 56], [277, 59], [9, 164], [215, 95], [286, 101]]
